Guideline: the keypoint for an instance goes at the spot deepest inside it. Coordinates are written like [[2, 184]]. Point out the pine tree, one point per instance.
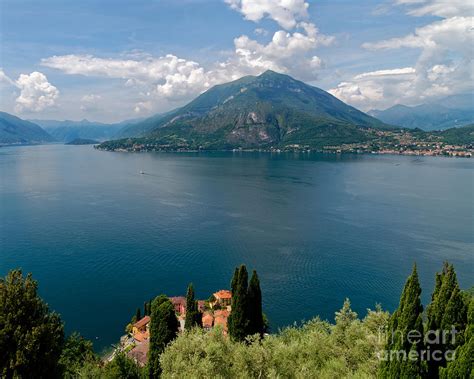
[[193, 316], [163, 329], [447, 311], [406, 319], [238, 320], [256, 324], [138, 314]]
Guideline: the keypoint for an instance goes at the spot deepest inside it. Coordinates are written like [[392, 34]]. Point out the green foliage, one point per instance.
[[77, 351], [238, 320], [256, 324], [193, 316], [138, 314], [163, 329], [313, 350], [407, 318], [31, 337], [463, 366], [447, 310]]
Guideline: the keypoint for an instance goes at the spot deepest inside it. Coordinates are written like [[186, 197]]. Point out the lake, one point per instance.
[[101, 238]]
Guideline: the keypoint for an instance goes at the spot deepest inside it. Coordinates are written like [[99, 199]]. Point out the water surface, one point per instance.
[[101, 238]]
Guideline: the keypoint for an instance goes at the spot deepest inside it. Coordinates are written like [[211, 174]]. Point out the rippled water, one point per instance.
[[101, 238]]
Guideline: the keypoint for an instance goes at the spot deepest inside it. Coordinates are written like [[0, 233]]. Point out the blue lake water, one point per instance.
[[101, 238]]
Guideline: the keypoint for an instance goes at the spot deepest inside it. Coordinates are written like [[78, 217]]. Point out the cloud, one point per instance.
[[444, 65], [89, 102], [36, 93], [286, 13], [177, 79], [441, 8]]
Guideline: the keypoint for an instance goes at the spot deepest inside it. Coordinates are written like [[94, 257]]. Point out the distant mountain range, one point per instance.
[[67, 130], [449, 112], [259, 111], [14, 130]]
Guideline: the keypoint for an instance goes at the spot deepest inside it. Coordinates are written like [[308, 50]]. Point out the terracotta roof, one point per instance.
[[207, 320], [223, 294], [220, 318], [140, 353], [178, 300], [141, 336], [145, 320]]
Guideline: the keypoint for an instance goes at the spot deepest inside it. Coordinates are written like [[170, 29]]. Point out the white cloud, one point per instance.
[[441, 8], [286, 13], [261, 32], [36, 93], [444, 66], [176, 79], [89, 102]]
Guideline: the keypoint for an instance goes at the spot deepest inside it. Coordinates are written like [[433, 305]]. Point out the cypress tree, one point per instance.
[[238, 320], [255, 313], [463, 365], [163, 329], [138, 314], [406, 319], [447, 311], [193, 316]]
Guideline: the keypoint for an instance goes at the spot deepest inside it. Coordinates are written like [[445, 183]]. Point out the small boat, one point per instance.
[[142, 172]]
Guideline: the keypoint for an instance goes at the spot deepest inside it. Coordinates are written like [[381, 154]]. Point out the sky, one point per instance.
[[113, 60]]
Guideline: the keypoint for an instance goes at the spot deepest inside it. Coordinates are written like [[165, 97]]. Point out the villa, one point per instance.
[[140, 330], [223, 298]]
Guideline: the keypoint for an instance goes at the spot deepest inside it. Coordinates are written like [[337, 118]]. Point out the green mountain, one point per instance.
[[258, 112], [67, 130], [14, 130], [449, 112]]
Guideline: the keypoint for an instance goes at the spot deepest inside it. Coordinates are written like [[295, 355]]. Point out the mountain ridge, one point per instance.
[[14, 130], [260, 111]]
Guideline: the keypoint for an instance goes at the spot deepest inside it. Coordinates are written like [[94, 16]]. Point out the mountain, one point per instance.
[[14, 130], [257, 112], [67, 130], [139, 127], [82, 141], [452, 111]]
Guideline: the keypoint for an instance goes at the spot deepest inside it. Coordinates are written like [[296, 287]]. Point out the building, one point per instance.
[[140, 353], [140, 329], [207, 320], [222, 297], [220, 318], [179, 303]]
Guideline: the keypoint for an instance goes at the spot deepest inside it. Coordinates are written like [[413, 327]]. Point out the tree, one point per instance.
[[138, 314], [163, 329], [255, 314], [403, 349], [31, 337], [447, 311], [193, 316], [238, 320], [77, 351], [463, 365]]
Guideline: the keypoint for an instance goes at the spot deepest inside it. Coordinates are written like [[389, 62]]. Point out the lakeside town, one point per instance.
[[394, 142], [213, 312]]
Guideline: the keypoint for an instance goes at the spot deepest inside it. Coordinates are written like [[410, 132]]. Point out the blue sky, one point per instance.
[[114, 60]]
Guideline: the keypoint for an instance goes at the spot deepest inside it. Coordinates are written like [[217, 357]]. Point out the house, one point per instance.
[[220, 318], [222, 297], [207, 320], [140, 353], [140, 329], [201, 305], [179, 303]]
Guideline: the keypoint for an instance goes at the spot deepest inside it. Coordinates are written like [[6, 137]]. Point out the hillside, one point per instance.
[[449, 112], [67, 130], [257, 112], [14, 130]]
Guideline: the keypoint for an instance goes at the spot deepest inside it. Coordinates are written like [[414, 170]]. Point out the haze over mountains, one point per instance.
[[14, 130], [67, 130], [449, 112]]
